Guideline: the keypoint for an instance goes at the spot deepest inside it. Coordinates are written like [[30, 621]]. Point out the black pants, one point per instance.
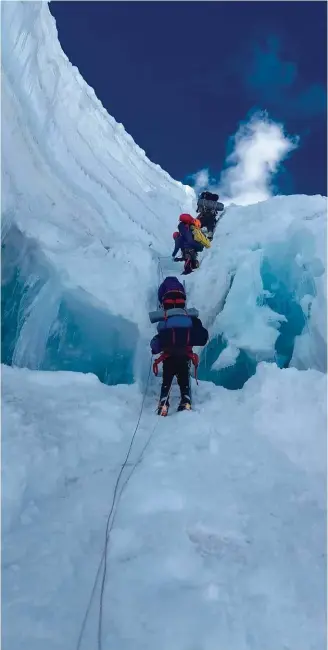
[[179, 367], [191, 262], [208, 221]]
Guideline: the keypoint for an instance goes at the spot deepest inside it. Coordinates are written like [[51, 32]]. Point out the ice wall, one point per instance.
[[84, 212], [262, 289]]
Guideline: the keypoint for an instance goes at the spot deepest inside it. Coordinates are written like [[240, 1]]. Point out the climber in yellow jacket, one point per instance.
[[190, 239], [198, 235]]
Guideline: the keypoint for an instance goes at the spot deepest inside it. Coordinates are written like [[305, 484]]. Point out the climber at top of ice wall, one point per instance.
[[73, 179]]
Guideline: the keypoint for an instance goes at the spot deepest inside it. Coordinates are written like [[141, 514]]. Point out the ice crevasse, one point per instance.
[[228, 506], [86, 215]]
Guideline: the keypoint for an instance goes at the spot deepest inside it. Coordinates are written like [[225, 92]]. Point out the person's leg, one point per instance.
[[205, 220], [211, 226], [168, 376], [188, 262], [183, 377], [194, 260]]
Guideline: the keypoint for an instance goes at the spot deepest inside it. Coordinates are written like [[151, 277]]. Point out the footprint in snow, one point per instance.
[[212, 543]]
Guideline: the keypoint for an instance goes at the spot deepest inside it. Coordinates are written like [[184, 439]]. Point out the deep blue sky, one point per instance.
[[181, 76]]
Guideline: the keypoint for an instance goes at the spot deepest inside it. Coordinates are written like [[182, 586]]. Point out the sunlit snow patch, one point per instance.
[[227, 358]]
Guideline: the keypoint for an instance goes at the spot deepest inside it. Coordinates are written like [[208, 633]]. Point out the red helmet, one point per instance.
[[186, 218], [176, 234]]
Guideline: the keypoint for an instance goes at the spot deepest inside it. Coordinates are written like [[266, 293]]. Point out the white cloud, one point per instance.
[[259, 148], [260, 145], [200, 180]]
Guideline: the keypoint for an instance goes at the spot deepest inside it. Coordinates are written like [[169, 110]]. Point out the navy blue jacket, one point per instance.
[[187, 240]]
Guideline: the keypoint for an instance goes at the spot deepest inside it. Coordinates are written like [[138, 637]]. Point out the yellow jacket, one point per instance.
[[199, 236]]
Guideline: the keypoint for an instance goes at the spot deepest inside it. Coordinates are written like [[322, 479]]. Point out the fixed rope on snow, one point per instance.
[[109, 526], [102, 567]]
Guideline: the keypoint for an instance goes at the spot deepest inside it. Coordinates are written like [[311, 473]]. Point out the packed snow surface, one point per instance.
[[219, 537], [218, 542]]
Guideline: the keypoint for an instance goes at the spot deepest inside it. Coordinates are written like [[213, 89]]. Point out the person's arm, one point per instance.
[[155, 345], [199, 333], [176, 247]]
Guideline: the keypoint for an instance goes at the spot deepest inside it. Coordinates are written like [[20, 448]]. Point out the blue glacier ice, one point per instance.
[[268, 289]]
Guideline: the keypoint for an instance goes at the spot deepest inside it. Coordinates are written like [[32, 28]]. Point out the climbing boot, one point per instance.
[[163, 407]]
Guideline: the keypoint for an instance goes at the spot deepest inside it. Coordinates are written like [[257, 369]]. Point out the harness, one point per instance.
[[165, 355]]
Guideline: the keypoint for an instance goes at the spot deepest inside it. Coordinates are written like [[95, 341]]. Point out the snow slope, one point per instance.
[[219, 539]]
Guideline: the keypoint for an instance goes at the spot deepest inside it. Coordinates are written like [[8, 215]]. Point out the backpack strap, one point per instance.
[[176, 302], [159, 360], [175, 297], [189, 353], [195, 360]]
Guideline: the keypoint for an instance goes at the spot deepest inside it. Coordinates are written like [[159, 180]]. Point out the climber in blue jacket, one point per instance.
[[189, 247], [178, 244], [177, 333], [184, 238]]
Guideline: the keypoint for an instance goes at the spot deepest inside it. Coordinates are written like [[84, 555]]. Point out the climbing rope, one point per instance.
[[110, 522], [160, 272], [102, 567]]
